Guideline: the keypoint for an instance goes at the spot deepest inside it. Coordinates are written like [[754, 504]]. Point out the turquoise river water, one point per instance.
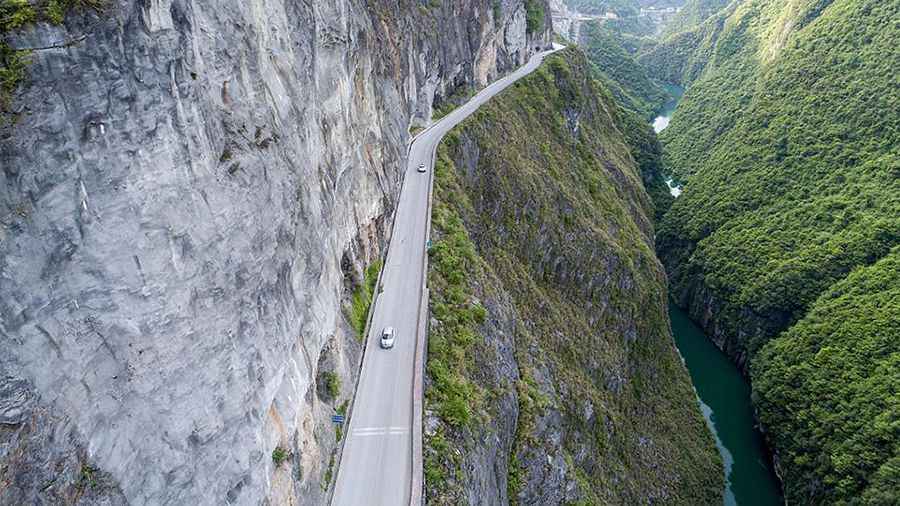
[[724, 395], [725, 401]]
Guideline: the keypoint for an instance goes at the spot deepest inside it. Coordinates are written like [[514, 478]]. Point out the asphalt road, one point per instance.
[[376, 466]]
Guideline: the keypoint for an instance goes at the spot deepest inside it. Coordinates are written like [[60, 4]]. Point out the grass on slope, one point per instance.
[[559, 221]]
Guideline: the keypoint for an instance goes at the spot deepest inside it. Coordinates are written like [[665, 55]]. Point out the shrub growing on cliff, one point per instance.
[[332, 384], [19, 15], [534, 16], [280, 455], [14, 15], [362, 299], [438, 449], [87, 477]]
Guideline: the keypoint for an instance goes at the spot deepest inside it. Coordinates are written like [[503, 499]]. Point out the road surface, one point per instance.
[[376, 467]]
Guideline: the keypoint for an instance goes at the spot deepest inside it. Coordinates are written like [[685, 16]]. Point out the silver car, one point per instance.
[[421, 167], [387, 337]]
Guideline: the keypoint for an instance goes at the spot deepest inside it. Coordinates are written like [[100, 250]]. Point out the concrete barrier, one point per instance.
[[417, 487]]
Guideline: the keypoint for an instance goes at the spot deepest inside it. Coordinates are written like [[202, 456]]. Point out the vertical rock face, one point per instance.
[[183, 197]]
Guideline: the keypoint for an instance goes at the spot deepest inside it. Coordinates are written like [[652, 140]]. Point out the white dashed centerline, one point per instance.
[[381, 431]]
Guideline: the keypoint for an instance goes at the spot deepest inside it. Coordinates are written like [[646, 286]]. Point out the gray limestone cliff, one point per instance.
[[187, 196]]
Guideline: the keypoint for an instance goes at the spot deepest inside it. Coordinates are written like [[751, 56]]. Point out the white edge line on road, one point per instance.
[[417, 485]]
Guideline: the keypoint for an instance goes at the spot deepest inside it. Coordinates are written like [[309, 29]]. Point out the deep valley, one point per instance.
[[458, 252]]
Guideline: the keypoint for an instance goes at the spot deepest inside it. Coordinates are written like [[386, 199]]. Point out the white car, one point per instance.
[[387, 337], [421, 167]]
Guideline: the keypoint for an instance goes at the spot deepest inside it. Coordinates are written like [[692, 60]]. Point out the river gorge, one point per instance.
[[723, 393]]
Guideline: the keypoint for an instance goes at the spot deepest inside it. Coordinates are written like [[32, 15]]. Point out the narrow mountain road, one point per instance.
[[381, 462]]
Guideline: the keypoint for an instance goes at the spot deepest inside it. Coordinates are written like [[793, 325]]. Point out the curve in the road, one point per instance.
[[381, 462]]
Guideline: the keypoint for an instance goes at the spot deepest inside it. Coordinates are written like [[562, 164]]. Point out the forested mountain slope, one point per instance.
[[829, 387], [553, 378], [692, 14], [681, 57], [789, 141], [628, 81]]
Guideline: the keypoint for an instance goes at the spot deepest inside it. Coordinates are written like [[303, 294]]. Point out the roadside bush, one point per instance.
[[332, 384], [362, 299]]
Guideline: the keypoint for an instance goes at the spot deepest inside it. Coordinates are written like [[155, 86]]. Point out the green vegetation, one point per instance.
[[87, 477], [544, 248], [619, 72], [19, 15], [329, 473], [648, 153], [611, 48], [14, 15], [681, 57], [693, 14], [513, 480], [332, 384], [453, 262], [532, 404], [534, 16], [13, 65], [443, 110], [787, 140], [339, 428], [362, 299], [438, 458], [639, 97], [280, 455], [831, 387]]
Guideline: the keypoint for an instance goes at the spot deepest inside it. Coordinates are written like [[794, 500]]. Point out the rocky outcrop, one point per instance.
[[737, 331], [184, 195]]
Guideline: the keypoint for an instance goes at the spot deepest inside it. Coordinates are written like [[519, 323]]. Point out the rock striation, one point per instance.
[[186, 198]]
